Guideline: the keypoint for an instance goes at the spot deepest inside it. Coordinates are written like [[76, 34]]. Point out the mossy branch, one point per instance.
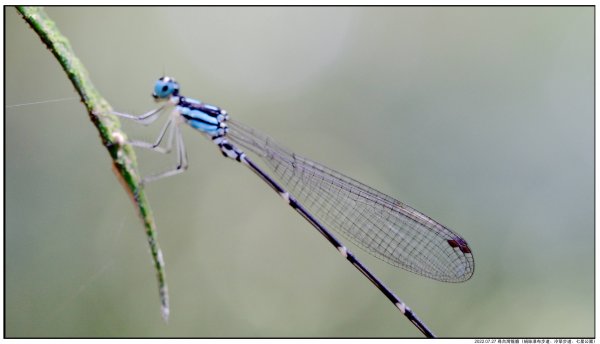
[[99, 110]]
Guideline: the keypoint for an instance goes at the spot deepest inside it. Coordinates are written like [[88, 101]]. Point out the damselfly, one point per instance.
[[380, 224]]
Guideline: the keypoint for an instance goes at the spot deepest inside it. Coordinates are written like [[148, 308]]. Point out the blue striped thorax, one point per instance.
[[207, 118], [204, 117]]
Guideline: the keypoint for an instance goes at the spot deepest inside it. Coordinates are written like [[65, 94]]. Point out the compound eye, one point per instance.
[[164, 88]]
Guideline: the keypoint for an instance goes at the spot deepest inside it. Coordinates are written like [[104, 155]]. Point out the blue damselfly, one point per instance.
[[380, 224]]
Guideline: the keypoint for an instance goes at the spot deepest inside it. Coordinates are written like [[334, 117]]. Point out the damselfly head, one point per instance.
[[164, 88]]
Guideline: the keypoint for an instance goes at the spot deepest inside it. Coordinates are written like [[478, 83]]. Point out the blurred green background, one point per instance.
[[482, 118]]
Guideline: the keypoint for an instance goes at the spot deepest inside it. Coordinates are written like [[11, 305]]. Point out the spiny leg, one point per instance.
[[174, 136], [182, 163], [155, 146], [146, 118]]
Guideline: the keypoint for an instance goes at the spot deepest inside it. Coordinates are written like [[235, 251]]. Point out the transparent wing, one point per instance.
[[383, 226]]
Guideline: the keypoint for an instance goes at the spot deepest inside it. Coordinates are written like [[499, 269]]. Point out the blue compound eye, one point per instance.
[[165, 87]]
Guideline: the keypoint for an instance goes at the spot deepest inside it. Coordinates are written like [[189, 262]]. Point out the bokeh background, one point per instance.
[[481, 118]]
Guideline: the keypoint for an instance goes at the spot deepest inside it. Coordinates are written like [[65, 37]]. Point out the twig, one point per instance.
[[99, 110]]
